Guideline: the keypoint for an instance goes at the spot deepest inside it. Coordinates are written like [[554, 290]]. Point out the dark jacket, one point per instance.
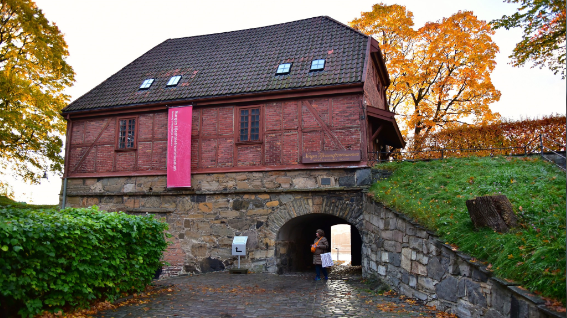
[[322, 247]]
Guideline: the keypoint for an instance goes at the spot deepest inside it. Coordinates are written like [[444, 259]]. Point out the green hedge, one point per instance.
[[53, 259]]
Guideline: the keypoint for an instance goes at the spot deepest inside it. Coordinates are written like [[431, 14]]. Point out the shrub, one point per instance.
[[53, 259]]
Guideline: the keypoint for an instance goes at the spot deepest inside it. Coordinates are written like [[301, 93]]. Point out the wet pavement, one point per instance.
[[225, 295]]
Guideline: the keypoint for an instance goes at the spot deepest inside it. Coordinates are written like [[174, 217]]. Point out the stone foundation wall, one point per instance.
[[416, 263], [204, 219]]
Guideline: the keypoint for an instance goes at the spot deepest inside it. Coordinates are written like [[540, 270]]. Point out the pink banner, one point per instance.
[[179, 147]]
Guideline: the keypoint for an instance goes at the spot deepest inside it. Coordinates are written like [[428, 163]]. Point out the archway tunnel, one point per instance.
[[295, 237]]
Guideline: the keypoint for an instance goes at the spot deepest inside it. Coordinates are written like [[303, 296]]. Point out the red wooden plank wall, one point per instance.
[[289, 128]]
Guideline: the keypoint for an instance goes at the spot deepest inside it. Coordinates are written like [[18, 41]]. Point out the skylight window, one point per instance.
[[147, 83], [283, 69], [174, 80], [317, 65]]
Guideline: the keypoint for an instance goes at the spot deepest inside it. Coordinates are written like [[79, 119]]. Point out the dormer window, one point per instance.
[[147, 83], [174, 80], [283, 69], [317, 65]]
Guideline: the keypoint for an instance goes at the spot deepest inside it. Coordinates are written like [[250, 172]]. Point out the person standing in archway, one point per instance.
[[320, 246]]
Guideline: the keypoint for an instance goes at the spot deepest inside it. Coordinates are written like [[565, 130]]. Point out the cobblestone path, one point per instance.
[[224, 295]]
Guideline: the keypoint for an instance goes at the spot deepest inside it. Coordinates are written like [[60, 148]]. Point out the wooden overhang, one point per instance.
[[388, 130]]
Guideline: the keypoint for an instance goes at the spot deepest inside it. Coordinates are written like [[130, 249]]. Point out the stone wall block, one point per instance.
[[447, 289], [410, 230], [426, 283], [418, 268], [406, 259], [398, 236], [474, 293], [416, 243], [392, 246], [387, 235], [435, 269]]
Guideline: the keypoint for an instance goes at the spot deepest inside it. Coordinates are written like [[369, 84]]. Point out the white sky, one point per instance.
[[104, 36]]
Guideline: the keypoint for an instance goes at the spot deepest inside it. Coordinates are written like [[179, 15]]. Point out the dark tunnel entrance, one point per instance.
[[296, 236]]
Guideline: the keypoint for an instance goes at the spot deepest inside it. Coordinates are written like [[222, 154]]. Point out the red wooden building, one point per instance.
[[282, 116]]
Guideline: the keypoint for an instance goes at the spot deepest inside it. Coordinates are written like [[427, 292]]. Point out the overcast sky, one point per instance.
[[103, 36]]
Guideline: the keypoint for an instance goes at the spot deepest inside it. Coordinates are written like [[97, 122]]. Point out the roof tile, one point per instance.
[[236, 62]]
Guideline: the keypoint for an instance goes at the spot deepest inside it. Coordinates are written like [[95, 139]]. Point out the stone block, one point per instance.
[[283, 180], [416, 243], [264, 196], [395, 259], [285, 198], [219, 205], [131, 202], [464, 309], [130, 187], [418, 268], [184, 204], [412, 281], [199, 250], [240, 204], [426, 283], [382, 270], [317, 200], [206, 207], [221, 230], [387, 235], [271, 185], [304, 183], [187, 223], [385, 258], [241, 177], [229, 214], [258, 212], [347, 181], [447, 289], [241, 185], [168, 202], [406, 259], [272, 204], [398, 236], [194, 235], [363, 177], [435, 269], [474, 293], [392, 246]]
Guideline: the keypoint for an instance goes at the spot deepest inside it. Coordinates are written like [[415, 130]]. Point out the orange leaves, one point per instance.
[[440, 73]]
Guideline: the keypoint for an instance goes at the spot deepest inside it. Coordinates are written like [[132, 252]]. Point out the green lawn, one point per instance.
[[4, 201], [434, 194]]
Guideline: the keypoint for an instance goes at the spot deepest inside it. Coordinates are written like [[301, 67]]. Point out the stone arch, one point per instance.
[[294, 227]]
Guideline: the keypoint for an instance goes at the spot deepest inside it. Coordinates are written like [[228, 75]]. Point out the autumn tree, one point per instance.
[[440, 72], [543, 41], [33, 74]]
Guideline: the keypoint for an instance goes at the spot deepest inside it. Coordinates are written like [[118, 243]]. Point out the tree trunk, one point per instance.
[[492, 211]]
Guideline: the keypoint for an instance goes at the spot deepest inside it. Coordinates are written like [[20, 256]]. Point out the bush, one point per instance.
[[50, 260]]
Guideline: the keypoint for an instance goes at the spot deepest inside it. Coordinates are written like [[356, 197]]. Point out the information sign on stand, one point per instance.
[[239, 249]]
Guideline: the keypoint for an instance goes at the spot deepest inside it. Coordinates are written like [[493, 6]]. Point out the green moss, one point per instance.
[[434, 193]]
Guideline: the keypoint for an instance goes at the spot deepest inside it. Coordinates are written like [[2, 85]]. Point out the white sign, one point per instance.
[[239, 245]]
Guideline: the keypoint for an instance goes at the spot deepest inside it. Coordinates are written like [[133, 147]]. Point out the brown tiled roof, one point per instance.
[[237, 62]]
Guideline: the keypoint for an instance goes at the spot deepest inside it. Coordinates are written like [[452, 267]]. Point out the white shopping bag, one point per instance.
[[326, 260]]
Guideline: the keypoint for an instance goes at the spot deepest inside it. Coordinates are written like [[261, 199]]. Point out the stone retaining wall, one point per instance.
[[416, 263], [204, 219]]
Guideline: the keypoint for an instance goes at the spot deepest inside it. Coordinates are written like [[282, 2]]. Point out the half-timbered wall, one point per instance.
[[373, 94], [288, 129], [93, 146]]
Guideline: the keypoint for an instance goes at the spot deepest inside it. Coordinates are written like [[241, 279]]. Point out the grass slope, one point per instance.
[[5, 201], [434, 193]]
